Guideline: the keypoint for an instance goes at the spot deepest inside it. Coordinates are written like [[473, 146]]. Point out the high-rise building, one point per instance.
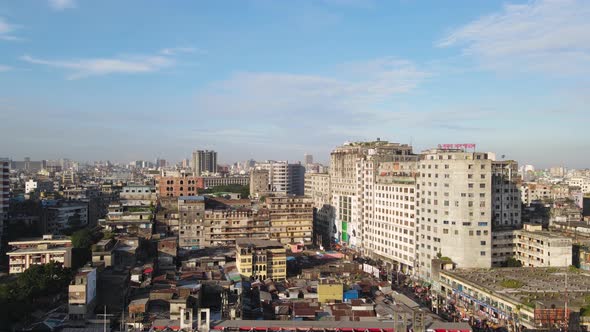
[[347, 166], [454, 209], [4, 191], [308, 159], [284, 178], [204, 161], [317, 187], [389, 211]]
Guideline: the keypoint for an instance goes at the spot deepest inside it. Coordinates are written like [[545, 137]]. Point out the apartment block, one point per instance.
[[64, 215], [138, 195], [223, 227], [262, 259], [204, 161], [506, 197], [28, 252], [535, 247], [283, 177], [291, 219], [389, 213], [454, 209], [191, 215], [347, 167], [318, 189], [259, 183], [129, 220], [82, 294]]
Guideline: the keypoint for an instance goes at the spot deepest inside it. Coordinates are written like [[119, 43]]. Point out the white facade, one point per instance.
[[389, 208], [351, 175], [454, 209], [581, 182], [284, 178], [30, 186]]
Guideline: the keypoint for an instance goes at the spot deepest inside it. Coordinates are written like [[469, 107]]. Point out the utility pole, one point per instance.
[[105, 318]]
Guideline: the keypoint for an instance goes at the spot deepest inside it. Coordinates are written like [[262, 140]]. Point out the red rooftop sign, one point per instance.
[[456, 146]]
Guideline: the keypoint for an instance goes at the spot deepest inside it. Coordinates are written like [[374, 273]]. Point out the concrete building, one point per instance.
[[317, 187], [4, 192], [138, 195], [214, 181], [28, 165], [28, 252], [347, 183], [454, 209], [307, 159], [223, 227], [533, 191], [284, 178], [535, 247], [132, 220], [39, 186], [531, 298], [204, 161], [291, 219], [506, 197], [262, 259], [330, 291], [191, 215], [82, 294], [179, 186], [582, 182], [389, 211], [64, 215], [259, 183]]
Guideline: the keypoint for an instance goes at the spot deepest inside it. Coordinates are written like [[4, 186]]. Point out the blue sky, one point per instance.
[[126, 80]]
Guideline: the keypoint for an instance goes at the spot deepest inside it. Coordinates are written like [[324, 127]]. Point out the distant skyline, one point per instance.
[[262, 79]]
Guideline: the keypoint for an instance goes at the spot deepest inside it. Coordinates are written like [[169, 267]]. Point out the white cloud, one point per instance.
[[5, 68], [179, 50], [6, 30], [355, 88], [544, 35], [103, 66], [62, 4]]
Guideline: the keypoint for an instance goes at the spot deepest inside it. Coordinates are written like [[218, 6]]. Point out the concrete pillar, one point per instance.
[[203, 326]]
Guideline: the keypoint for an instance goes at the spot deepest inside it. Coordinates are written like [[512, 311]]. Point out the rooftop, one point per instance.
[[192, 198], [529, 285], [244, 242]]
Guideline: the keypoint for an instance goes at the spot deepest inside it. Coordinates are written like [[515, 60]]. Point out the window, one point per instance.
[[483, 243], [482, 253]]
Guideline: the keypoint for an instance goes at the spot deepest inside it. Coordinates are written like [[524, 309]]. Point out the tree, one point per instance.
[[83, 238], [512, 262]]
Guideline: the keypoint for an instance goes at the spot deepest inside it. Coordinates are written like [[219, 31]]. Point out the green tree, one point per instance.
[[83, 238], [512, 262]]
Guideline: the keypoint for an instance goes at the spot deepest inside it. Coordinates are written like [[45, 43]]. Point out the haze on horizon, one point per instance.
[[261, 79]]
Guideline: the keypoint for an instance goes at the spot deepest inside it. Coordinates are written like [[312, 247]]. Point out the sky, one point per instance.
[[138, 80]]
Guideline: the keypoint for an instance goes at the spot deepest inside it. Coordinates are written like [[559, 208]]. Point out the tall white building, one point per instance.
[[454, 209], [347, 167], [389, 212], [284, 178]]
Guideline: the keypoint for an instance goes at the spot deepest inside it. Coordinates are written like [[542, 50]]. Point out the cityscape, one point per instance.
[[294, 166]]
